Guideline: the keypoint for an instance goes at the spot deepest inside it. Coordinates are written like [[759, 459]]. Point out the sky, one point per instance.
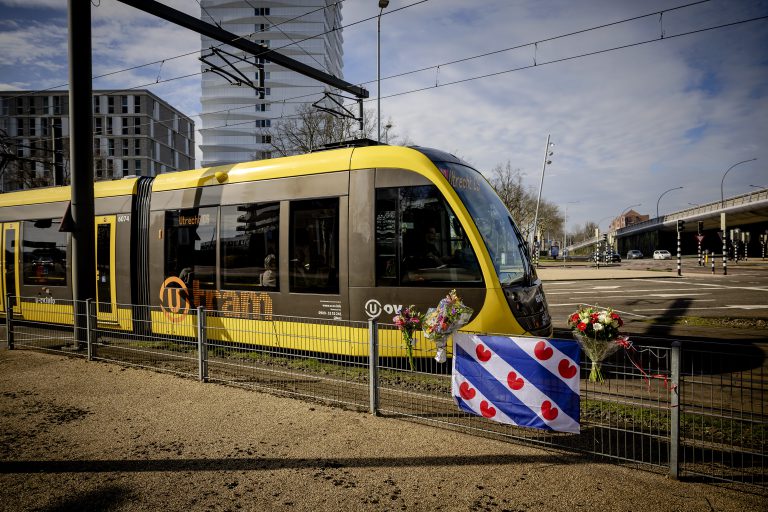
[[636, 101]]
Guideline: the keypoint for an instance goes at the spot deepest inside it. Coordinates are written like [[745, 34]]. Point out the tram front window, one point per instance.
[[504, 243], [420, 241]]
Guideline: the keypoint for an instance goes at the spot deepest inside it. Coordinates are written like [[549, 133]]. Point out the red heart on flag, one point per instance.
[[466, 392], [487, 410], [566, 369], [542, 351], [549, 412], [483, 354], [514, 381]]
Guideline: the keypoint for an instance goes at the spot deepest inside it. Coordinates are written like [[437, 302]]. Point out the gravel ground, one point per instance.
[[78, 435]]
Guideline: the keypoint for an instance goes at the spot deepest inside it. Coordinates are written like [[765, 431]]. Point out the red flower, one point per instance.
[[582, 326]]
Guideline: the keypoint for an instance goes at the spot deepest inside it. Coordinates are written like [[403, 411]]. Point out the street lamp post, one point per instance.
[[382, 5], [722, 196], [547, 154], [662, 195]]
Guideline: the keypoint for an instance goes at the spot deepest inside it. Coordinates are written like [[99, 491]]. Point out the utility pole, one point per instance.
[[81, 155]]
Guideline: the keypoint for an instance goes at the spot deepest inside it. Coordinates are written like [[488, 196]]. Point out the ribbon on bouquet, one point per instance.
[[629, 348]]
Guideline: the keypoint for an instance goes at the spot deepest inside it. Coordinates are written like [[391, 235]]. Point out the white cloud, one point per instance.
[[631, 123]]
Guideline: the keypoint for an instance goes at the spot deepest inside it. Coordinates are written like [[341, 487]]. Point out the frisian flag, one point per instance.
[[528, 382]]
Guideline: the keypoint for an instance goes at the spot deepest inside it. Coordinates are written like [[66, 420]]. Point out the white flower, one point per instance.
[[598, 327]]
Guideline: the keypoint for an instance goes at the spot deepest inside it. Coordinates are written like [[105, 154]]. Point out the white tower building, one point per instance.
[[235, 120]]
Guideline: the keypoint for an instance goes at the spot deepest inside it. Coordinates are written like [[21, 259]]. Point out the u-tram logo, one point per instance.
[[173, 299]]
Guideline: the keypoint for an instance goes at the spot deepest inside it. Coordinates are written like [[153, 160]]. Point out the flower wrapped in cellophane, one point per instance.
[[408, 320], [597, 332], [442, 321]]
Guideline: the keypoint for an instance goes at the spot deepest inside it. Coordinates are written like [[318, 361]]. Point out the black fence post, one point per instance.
[[373, 365], [9, 321], [202, 347], [674, 412]]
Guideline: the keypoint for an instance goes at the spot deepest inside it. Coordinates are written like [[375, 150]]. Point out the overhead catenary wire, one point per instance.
[[195, 52], [477, 77], [465, 59], [582, 55], [666, 37], [486, 54], [361, 21]]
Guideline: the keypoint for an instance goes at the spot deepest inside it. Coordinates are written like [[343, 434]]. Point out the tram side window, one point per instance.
[[249, 246], [314, 246], [190, 246], [44, 253], [420, 241]]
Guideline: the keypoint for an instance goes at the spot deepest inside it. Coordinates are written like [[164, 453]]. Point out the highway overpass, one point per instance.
[[747, 212]]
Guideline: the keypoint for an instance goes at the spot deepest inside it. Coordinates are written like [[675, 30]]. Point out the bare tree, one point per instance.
[[521, 202], [585, 232], [311, 129]]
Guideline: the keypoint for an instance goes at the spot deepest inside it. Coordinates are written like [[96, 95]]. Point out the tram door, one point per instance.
[[106, 307], [9, 262]]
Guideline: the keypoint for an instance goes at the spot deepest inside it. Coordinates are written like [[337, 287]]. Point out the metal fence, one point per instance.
[[698, 411]]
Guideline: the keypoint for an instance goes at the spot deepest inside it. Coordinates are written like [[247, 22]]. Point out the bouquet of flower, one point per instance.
[[597, 332], [442, 321], [408, 320]]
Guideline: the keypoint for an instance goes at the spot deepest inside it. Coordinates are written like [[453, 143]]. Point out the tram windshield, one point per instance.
[[493, 220]]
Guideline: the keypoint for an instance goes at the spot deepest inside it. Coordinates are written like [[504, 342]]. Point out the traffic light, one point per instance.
[[701, 226], [680, 225]]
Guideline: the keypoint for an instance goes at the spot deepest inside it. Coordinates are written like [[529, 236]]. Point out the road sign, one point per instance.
[[699, 238]]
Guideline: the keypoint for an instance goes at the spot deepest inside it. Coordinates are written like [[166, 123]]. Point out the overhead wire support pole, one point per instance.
[[81, 150], [214, 32]]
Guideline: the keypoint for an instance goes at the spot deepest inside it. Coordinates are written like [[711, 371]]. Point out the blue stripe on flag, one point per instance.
[[494, 391], [549, 384]]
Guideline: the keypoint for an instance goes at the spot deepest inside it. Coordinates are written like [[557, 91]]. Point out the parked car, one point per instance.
[[634, 254], [661, 255]]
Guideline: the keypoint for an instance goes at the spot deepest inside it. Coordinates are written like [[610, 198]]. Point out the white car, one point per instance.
[[661, 255]]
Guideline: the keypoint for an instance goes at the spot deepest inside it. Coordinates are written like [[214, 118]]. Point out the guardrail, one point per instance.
[[684, 411]]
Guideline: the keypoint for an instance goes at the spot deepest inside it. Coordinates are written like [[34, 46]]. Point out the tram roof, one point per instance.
[[300, 165], [101, 189]]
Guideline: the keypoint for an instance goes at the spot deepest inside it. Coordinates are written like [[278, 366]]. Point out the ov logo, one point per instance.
[[173, 301], [374, 308]]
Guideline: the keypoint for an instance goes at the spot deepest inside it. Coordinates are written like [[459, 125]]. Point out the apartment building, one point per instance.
[[134, 133]]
